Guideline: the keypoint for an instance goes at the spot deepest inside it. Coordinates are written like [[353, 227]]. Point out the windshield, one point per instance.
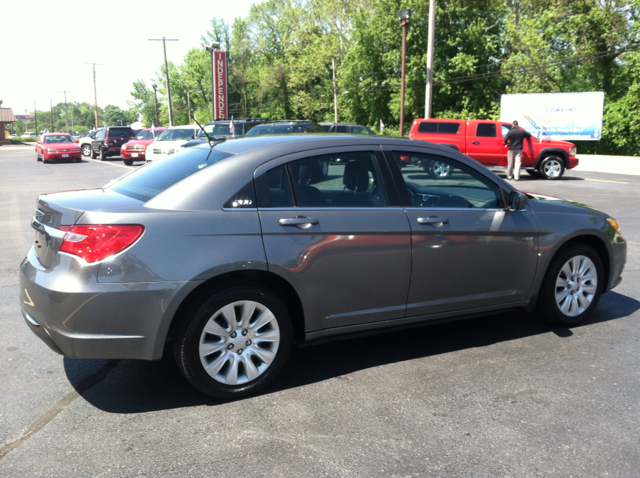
[[150, 180], [222, 129], [144, 134], [62, 138], [178, 134]]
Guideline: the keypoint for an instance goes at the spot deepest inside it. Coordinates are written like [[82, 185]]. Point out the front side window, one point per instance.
[[359, 130], [328, 181], [441, 183]]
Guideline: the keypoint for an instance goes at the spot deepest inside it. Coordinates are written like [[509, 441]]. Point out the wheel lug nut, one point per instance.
[[233, 335], [239, 351], [248, 342], [230, 346], [244, 332]]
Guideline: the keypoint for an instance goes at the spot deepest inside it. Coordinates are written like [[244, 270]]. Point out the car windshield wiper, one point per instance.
[[212, 140]]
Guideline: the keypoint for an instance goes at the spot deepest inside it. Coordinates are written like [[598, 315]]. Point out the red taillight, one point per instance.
[[94, 243]]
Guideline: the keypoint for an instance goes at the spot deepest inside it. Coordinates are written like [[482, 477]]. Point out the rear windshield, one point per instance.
[[114, 132], [153, 178], [178, 134]]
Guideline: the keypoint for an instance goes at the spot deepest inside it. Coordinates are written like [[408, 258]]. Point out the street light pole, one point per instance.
[[403, 17], [155, 97], [431, 35], [212, 48], [166, 72]]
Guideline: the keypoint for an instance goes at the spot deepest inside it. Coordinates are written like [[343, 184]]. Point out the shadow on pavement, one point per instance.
[[132, 386]]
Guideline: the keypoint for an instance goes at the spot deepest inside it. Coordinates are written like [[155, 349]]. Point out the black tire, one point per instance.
[[438, 169], [569, 301], [551, 167], [533, 173], [128, 162], [78, 160], [103, 156], [228, 360], [93, 154], [86, 150], [38, 156]]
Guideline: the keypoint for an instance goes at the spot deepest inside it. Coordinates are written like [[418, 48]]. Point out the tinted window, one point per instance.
[[280, 194], [243, 199], [428, 128], [326, 127], [155, 177], [360, 130], [448, 128], [487, 130], [178, 134], [114, 132], [341, 129], [439, 182]]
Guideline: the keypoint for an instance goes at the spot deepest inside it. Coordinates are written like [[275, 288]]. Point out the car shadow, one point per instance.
[[135, 386]]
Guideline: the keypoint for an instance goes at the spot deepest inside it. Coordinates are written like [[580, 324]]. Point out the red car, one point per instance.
[[52, 146], [135, 149]]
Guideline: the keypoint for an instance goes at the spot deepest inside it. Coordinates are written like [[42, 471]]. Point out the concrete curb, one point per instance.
[[609, 164]]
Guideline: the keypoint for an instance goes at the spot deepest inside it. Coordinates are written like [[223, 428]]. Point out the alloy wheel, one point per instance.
[[576, 285]]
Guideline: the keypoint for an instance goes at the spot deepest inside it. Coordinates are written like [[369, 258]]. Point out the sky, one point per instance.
[[48, 47]]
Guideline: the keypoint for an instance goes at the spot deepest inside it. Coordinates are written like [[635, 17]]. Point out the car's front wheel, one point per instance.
[[572, 287], [235, 343], [438, 169], [552, 167]]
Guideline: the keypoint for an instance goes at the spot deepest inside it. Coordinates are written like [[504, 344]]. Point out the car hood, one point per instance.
[[60, 145], [543, 203], [133, 142]]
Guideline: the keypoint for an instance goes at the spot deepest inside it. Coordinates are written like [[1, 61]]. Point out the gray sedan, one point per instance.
[[235, 252]]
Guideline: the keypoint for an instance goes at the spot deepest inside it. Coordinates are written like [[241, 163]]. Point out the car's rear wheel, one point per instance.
[[552, 167], [572, 287], [103, 155], [235, 343], [86, 150], [438, 169], [93, 154]]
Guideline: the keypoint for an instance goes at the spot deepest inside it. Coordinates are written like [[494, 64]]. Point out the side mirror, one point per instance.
[[517, 201]]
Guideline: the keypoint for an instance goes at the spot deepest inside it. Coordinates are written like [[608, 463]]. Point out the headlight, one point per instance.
[[573, 151], [76, 150], [51, 150]]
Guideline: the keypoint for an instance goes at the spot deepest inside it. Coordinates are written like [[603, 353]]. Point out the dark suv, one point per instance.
[[346, 128], [285, 127], [108, 141]]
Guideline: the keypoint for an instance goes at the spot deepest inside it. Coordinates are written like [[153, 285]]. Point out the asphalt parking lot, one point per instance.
[[503, 395]]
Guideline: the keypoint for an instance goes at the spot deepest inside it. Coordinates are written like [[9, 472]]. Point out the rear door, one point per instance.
[[469, 253], [484, 143], [340, 240]]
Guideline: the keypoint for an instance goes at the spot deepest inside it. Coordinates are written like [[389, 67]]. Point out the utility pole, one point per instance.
[[95, 91], [51, 109], [155, 98], [335, 92], [431, 35], [66, 114], [35, 113], [188, 108], [404, 17], [166, 72]]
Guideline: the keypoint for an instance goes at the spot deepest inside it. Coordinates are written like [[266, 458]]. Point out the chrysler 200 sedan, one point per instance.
[[233, 253]]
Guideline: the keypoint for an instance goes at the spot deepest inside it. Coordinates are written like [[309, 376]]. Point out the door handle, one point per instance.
[[475, 142], [302, 222], [433, 220]]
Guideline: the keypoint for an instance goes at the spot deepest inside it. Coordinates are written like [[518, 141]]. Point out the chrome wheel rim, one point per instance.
[[552, 168], [86, 150], [576, 285], [441, 169], [239, 342]]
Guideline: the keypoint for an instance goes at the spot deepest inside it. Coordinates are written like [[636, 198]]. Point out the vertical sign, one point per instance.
[[221, 100]]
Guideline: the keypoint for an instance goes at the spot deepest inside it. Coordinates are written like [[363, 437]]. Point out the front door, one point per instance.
[[468, 252]]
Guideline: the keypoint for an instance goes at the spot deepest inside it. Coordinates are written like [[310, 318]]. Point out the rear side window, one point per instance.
[[150, 180], [115, 132], [487, 130], [443, 128]]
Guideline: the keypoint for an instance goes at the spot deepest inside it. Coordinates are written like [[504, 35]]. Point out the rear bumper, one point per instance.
[[77, 316]]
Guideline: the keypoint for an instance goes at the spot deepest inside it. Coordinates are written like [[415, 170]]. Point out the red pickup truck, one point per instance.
[[482, 140]]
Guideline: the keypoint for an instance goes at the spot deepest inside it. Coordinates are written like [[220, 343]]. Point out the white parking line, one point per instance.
[[106, 162]]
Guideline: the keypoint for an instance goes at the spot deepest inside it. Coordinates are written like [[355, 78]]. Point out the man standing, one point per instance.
[[514, 139]]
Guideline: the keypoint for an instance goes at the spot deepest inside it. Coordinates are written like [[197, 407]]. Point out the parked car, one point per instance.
[[135, 149], [108, 140], [483, 141], [228, 252], [54, 146], [29, 134], [346, 128], [170, 141], [84, 142], [285, 127]]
